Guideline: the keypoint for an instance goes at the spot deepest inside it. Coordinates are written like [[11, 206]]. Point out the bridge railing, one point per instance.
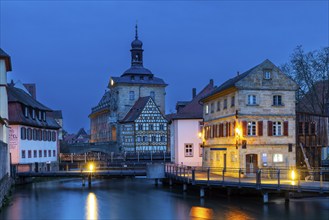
[[279, 177]]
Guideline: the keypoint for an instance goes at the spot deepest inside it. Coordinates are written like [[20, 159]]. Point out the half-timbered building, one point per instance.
[[144, 128]]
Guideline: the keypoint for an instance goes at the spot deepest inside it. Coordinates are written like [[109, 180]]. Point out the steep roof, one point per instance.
[[4, 56], [103, 103], [136, 110], [193, 110], [18, 95]]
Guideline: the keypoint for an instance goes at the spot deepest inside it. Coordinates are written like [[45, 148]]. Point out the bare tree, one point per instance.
[[311, 71]]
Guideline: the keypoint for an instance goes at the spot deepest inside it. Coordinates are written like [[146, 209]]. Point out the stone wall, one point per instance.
[[3, 159], [5, 184]]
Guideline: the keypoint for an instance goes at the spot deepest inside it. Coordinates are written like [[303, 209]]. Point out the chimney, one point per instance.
[[238, 73], [211, 82], [31, 88], [193, 93]]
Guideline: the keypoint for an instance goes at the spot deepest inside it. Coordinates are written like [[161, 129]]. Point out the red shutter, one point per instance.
[[244, 128], [269, 128], [260, 128], [285, 128]]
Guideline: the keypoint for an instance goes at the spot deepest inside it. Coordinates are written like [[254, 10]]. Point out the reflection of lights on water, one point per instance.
[[200, 212], [91, 207], [237, 215]]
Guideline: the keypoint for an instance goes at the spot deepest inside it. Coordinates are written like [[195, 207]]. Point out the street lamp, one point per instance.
[[238, 136]]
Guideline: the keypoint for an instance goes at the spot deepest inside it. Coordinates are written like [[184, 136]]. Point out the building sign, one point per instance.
[[13, 137]]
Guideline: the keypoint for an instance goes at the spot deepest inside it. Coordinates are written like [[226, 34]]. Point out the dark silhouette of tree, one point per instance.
[[311, 71]]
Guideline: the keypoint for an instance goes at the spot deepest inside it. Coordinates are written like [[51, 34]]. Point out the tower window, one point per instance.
[[131, 95], [267, 74]]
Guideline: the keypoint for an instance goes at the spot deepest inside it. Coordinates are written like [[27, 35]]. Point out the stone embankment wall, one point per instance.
[[5, 184]]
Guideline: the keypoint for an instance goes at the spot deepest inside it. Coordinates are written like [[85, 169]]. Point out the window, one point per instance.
[[225, 104], [131, 95], [151, 127], [163, 138], [207, 109], [44, 135], [40, 153], [29, 153], [153, 138], [313, 127], [23, 154], [306, 128], [138, 138], [232, 101], [53, 136], [251, 128], [161, 127], [34, 134], [45, 153], [188, 150], [23, 133], [35, 153], [218, 106], [212, 108], [277, 128], [277, 158], [39, 115], [145, 138], [140, 127], [49, 153], [54, 153], [29, 134], [26, 111], [44, 116], [267, 74], [277, 100], [33, 113], [252, 100], [49, 135], [152, 94]]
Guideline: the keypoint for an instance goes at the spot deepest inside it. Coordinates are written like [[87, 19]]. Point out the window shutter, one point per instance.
[[260, 128], [285, 128], [269, 128], [244, 128]]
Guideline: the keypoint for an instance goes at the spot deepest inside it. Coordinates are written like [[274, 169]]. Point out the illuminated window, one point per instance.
[[251, 128], [188, 150], [277, 158], [277, 128]]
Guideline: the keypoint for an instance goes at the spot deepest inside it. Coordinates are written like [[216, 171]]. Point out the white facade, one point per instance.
[[185, 142], [25, 151], [3, 101]]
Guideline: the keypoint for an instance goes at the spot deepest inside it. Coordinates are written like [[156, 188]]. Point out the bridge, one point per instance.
[[264, 180]]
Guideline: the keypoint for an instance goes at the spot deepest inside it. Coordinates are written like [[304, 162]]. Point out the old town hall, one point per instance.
[[108, 120]]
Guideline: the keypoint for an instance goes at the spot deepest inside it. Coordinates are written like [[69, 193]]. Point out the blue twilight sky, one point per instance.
[[71, 48]]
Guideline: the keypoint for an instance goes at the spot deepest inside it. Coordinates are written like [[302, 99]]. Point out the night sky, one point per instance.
[[71, 48]]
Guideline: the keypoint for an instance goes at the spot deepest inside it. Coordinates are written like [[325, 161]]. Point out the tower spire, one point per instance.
[[136, 29]]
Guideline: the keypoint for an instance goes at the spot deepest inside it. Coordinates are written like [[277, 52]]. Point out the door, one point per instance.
[[251, 163]]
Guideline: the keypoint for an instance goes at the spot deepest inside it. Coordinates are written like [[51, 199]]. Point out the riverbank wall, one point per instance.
[[5, 186]]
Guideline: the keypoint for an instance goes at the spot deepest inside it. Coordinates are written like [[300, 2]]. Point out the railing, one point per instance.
[[265, 178]]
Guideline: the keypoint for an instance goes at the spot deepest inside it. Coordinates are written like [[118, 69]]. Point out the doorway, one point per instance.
[[251, 163]]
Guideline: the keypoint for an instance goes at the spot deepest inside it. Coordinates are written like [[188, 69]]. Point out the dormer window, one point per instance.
[[142, 77], [39, 115], [26, 111], [267, 74], [132, 78], [33, 113], [44, 116]]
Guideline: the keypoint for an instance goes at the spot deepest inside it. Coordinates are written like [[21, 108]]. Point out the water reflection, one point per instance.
[[91, 207]]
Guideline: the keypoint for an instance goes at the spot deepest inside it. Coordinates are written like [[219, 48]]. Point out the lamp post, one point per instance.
[[91, 169]]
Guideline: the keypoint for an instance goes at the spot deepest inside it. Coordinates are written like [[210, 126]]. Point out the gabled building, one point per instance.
[[144, 128], [33, 138], [80, 137], [186, 126], [124, 91], [249, 121]]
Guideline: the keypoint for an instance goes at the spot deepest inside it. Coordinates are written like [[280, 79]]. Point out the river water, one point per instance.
[[141, 199]]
